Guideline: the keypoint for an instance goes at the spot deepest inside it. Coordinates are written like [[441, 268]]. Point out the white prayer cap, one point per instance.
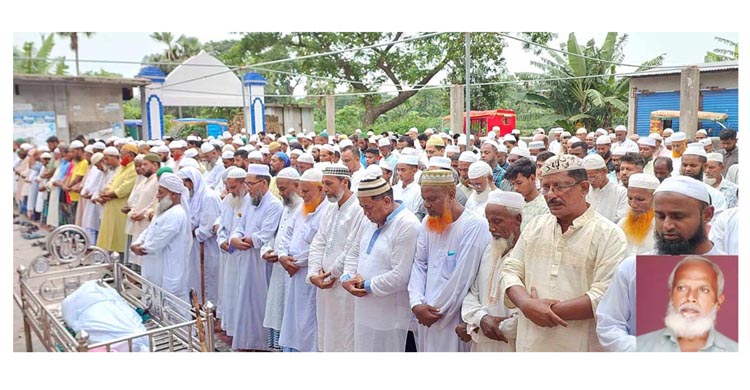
[[413, 130], [509, 138], [520, 152], [566, 134], [253, 138], [440, 162], [701, 131], [193, 138], [162, 149], [188, 162], [111, 151], [667, 130], [271, 136], [573, 140], [255, 155], [283, 140], [718, 157], [384, 142], [600, 131], [384, 163], [536, 145], [561, 163], [306, 158], [462, 140], [56, 151], [94, 159], [191, 153], [591, 134], [679, 136], [236, 173], [248, 147], [468, 157], [243, 130], [493, 143], [357, 131], [643, 180], [120, 141], [668, 141], [226, 135], [372, 140], [303, 135], [265, 150], [408, 160], [172, 183], [655, 136], [207, 148], [322, 165], [238, 141], [706, 142], [345, 143], [538, 130], [228, 148], [647, 141], [154, 150], [593, 162], [314, 175], [478, 169], [370, 133], [179, 144], [258, 170], [696, 151], [48, 155], [491, 135], [515, 131], [618, 151], [510, 199], [139, 157], [603, 140], [76, 144], [211, 138], [630, 147], [288, 173], [89, 149], [444, 136], [495, 128], [112, 139], [45, 148], [228, 155], [429, 131], [296, 152], [329, 148], [621, 128], [581, 131], [452, 149], [685, 185]]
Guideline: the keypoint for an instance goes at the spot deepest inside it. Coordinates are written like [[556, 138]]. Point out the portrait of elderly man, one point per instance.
[[696, 295]]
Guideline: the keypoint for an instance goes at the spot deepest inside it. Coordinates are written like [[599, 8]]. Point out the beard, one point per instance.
[[501, 246], [125, 160], [210, 164], [147, 174], [682, 246], [335, 198], [689, 327], [164, 204], [255, 200], [709, 180], [637, 226], [698, 176], [439, 224], [290, 201], [308, 208]]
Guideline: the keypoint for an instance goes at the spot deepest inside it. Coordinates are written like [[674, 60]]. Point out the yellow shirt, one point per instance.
[[79, 170]]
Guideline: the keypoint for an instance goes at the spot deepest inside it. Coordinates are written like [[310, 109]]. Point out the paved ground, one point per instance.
[[23, 254]]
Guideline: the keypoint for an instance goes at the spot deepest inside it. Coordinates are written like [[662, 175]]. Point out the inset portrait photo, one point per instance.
[[686, 304]]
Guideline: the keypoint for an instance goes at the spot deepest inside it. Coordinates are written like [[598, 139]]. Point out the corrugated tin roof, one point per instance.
[[86, 80], [704, 67]]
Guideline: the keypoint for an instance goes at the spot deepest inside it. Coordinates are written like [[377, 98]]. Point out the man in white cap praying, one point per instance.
[[604, 149], [555, 145], [165, 244], [714, 178], [638, 224], [91, 184], [407, 191], [377, 269], [73, 186], [177, 148], [299, 324], [605, 196], [480, 177], [522, 174], [679, 145], [647, 150], [214, 168], [621, 134], [142, 200], [558, 285], [449, 250], [114, 197], [464, 161], [488, 323], [340, 221], [288, 183], [257, 226], [693, 165], [205, 208], [350, 159]]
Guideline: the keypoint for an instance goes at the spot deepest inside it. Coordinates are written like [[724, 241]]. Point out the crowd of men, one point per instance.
[[426, 241]]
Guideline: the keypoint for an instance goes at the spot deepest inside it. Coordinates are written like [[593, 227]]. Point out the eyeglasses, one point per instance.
[[557, 189], [250, 184]]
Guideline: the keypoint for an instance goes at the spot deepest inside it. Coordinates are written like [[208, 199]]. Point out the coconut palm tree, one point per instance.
[[74, 44], [30, 60]]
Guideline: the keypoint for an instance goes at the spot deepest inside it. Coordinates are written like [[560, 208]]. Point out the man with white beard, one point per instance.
[[204, 209], [340, 221], [232, 209], [696, 288], [299, 325], [164, 246], [214, 168], [488, 324], [480, 177], [682, 209], [256, 228], [288, 183]]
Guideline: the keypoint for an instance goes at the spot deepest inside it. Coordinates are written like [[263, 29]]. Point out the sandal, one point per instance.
[[33, 236]]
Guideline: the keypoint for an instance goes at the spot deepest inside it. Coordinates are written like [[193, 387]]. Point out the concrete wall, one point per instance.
[[727, 79], [78, 109], [280, 118]]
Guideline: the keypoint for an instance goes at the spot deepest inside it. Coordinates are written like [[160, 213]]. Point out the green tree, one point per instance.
[[177, 50], [585, 90], [30, 60], [729, 53], [101, 73], [74, 44], [132, 109]]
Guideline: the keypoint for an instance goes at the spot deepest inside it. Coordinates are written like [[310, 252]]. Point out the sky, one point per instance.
[[680, 48]]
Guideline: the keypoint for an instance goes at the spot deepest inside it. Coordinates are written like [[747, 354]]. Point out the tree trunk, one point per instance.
[[74, 44]]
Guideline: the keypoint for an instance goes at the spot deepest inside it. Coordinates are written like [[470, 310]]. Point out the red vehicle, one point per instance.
[[484, 121]]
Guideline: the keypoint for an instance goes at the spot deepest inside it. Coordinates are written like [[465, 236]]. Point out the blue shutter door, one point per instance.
[[724, 102], [654, 102]]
